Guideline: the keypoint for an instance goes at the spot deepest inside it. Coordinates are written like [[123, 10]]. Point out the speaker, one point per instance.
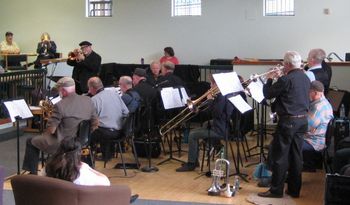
[[347, 56]]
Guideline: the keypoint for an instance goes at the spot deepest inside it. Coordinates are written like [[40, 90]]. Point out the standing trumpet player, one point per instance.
[[86, 64], [292, 103]]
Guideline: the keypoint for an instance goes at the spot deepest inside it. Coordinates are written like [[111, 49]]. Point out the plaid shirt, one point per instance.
[[319, 115]]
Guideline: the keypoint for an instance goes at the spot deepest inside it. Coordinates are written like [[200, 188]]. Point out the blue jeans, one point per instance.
[[193, 138]]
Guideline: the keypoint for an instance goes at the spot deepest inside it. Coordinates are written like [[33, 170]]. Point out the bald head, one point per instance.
[[94, 84]]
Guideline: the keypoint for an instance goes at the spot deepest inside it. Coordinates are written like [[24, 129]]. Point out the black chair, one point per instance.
[[326, 153], [127, 134], [337, 190], [83, 136]]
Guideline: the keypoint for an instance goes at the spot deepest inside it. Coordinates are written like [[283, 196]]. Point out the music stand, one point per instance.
[[173, 98], [18, 110], [229, 84]]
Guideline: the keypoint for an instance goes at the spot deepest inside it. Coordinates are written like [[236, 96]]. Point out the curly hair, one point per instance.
[[65, 163]]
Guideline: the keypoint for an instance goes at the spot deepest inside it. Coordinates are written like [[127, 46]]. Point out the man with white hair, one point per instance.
[[292, 103], [63, 123]]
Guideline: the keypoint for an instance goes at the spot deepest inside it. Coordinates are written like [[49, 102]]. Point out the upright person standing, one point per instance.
[[86, 64], [292, 103]]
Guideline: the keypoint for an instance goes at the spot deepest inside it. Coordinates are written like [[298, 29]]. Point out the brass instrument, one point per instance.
[[47, 107], [74, 55], [222, 169], [185, 114], [262, 77]]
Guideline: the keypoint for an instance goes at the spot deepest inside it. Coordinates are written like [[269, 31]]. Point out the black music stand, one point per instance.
[[18, 110], [176, 98]]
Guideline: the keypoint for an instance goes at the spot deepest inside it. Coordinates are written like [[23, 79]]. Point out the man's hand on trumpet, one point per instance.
[[274, 73]]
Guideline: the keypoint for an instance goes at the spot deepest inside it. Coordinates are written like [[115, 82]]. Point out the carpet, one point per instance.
[[255, 199]]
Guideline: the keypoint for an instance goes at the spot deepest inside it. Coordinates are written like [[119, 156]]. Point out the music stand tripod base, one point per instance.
[[149, 169]]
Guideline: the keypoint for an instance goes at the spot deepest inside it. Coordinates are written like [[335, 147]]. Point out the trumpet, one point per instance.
[[192, 107], [74, 55], [263, 76]]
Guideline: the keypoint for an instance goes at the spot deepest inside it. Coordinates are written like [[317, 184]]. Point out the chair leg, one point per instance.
[[204, 152], [135, 153], [121, 156]]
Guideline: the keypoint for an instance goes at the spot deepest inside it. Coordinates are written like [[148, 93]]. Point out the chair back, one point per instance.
[[83, 135], [39, 190], [337, 190], [129, 125]]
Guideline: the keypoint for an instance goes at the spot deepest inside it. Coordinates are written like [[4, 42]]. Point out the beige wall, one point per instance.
[[142, 28]]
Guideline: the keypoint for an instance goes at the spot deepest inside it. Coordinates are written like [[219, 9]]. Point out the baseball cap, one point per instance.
[[85, 43], [140, 72], [65, 82]]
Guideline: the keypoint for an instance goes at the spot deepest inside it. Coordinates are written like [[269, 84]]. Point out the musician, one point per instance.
[[319, 115], [292, 103], [9, 46], [86, 64], [318, 69], [46, 49], [167, 78], [221, 110], [130, 97], [111, 112], [146, 91], [153, 72], [64, 122], [169, 55]]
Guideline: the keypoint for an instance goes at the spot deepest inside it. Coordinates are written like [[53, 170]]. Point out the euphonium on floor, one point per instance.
[[221, 169]]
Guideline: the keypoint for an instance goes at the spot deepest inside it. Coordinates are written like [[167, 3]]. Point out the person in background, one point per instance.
[[130, 97], [153, 72], [169, 55], [167, 78], [319, 115], [9, 46], [66, 164], [46, 49], [111, 112], [86, 64], [291, 92], [318, 69], [63, 122]]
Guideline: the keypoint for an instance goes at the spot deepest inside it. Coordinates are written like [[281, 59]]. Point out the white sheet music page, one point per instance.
[[240, 104], [171, 98], [184, 96], [18, 108], [55, 100], [228, 82], [256, 90]]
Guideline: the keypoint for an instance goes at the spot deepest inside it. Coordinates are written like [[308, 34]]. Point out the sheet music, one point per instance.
[[240, 104], [256, 90], [172, 99], [55, 100], [18, 108], [228, 82]]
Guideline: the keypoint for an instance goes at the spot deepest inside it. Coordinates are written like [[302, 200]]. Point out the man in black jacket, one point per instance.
[[86, 64]]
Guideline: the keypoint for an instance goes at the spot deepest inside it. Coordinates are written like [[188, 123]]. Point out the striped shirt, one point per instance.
[[319, 115]]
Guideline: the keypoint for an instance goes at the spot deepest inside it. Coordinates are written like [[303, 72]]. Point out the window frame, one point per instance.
[[190, 5], [278, 12], [93, 7]]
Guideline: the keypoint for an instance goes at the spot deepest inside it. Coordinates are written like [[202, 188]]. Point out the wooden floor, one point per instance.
[[166, 184]]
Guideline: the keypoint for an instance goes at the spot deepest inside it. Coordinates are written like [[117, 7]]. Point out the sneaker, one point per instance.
[[186, 167], [133, 198]]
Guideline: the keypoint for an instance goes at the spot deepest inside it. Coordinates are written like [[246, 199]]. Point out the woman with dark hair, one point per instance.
[[169, 55], [66, 164]]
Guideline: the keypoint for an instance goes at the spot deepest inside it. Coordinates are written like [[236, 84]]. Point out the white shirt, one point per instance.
[[310, 74], [90, 177]]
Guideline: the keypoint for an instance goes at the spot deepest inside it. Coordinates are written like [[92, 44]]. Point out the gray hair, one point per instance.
[[169, 66], [126, 80], [317, 54], [293, 58]]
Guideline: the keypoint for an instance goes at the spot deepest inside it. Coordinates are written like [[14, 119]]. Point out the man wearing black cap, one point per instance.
[[86, 64], [63, 123]]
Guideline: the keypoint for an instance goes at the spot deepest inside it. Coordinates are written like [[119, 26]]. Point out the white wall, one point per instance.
[[142, 28]]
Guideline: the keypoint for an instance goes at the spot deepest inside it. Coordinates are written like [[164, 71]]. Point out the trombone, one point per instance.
[[192, 107]]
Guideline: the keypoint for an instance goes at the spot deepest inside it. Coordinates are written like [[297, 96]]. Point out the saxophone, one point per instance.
[[47, 107]]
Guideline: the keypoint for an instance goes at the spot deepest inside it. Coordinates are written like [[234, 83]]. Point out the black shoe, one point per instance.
[[197, 164], [291, 194], [133, 198], [187, 167], [268, 194]]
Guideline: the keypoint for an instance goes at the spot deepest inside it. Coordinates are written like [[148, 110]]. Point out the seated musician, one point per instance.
[[64, 121], [153, 72], [130, 97], [46, 49], [221, 110], [8, 46], [167, 78], [319, 115], [111, 112]]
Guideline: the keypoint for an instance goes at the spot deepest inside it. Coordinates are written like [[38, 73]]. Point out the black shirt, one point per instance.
[[291, 92]]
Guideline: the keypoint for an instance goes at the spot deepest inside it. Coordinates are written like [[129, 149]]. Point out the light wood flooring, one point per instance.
[[166, 184]]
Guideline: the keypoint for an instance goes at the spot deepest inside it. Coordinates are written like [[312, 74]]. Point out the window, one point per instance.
[[99, 8], [186, 8], [279, 8]]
